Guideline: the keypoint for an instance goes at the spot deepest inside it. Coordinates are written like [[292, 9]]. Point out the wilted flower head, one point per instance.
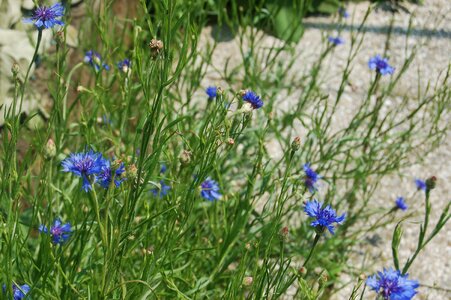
[[108, 173], [380, 65], [59, 232], [400, 204], [47, 17], [324, 217], [19, 292], [210, 190], [95, 60], [162, 190], [253, 99], [421, 185], [392, 285], [124, 65], [336, 40], [84, 164], [212, 92], [310, 178]]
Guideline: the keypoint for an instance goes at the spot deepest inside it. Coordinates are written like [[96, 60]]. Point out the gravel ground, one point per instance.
[[431, 33]]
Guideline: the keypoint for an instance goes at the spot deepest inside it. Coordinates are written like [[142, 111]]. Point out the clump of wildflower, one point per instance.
[[253, 99], [421, 185], [125, 66], [84, 165], [212, 92], [400, 203], [109, 173], [336, 40], [392, 285], [210, 190], [95, 60], [59, 232], [47, 17], [19, 292], [324, 217], [310, 178], [162, 190], [380, 65]]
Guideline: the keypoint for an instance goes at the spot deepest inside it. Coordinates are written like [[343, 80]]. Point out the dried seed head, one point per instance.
[[185, 157]]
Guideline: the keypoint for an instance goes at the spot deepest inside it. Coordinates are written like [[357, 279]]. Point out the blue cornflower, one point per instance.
[[325, 217], [60, 232], [161, 191], [107, 174], [400, 204], [19, 292], [336, 40], [47, 17], [124, 65], [392, 285], [380, 65], [210, 190], [421, 185], [212, 92], [310, 178], [343, 12], [253, 99], [95, 60], [163, 168], [84, 164]]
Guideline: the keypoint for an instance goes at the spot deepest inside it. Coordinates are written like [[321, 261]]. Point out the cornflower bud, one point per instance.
[[296, 144], [49, 149], [155, 46], [248, 280], [430, 183]]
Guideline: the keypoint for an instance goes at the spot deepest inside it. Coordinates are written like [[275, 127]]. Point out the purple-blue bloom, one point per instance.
[[380, 65], [161, 191], [84, 164], [392, 285], [253, 99], [336, 40], [163, 168], [47, 17], [210, 190], [343, 12], [19, 292], [95, 60], [107, 174], [324, 217], [421, 185], [60, 232], [400, 203], [212, 92], [124, 65], [310, 178]]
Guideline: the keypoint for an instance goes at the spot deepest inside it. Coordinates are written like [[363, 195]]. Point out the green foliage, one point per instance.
[[129, 244]]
